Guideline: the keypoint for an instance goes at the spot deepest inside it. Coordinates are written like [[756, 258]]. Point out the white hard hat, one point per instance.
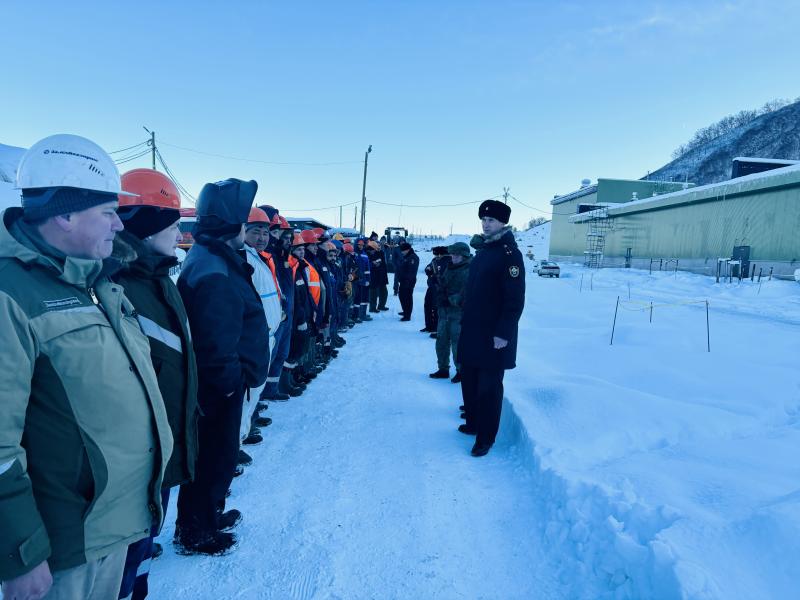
[[65, 160]]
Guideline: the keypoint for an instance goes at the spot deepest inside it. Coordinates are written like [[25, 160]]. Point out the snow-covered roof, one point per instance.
[[584, 191], [768, 161], [749, 183]]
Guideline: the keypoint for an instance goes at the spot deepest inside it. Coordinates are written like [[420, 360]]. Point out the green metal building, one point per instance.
[[748, 222]]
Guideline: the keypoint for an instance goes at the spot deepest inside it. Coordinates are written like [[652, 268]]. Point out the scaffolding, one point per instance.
[[598, 227]]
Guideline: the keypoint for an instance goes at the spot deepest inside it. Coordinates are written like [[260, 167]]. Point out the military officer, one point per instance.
[[493, 301]]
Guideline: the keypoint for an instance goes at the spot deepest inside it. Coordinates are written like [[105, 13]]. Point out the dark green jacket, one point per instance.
[[452, 283], [84, 437], [162, 316]]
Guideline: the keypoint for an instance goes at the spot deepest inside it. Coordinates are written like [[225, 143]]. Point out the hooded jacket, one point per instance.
[[229, 328], [265, 283], [84, 438], [162, 317]]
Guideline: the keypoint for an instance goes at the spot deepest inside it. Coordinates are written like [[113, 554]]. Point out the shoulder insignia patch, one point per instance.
[[513, 271]]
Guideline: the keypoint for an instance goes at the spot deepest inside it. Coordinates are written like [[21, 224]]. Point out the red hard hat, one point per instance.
[[153, 189], [309, 237], [284, 223], [297, 240], [257, 216], [318, 230], [348, 248]]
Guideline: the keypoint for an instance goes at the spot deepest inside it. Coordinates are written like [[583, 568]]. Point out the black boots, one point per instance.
[[481, 449], [191, 541], [440, 374]]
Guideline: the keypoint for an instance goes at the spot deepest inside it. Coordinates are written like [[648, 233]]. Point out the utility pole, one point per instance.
[[364, 190], [506, 190], [355, 217], [340, 216], [152, 145]]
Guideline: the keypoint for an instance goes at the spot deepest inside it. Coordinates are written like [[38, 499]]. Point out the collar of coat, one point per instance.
[[479, 240]]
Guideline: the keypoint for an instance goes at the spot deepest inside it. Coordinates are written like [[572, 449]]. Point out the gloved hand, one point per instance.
[[302, 327]]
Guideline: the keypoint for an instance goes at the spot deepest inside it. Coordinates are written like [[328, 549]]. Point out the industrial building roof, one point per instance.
[[787, 176], [584, 191]]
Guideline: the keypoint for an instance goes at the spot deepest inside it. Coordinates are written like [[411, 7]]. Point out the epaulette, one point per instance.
[[509, 251]]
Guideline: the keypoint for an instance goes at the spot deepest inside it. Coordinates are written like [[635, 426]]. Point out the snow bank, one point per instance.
[[665, 471]]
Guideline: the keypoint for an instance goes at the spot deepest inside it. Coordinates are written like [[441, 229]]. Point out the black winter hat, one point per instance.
[[143, 221], [495, 209], [405, 246], [41, 203], [228, 200]]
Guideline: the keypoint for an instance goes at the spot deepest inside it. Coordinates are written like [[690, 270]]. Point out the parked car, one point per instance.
[[548, 268]]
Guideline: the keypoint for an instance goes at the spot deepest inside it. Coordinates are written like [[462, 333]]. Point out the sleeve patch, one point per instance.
[[513, 271]]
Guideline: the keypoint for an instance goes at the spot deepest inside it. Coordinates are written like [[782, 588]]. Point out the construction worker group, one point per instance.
[[120, 384]]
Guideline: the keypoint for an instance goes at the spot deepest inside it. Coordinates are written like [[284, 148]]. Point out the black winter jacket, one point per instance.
[[407, 269], [378, 273], [493, 303], [229, 329], [162, 317]]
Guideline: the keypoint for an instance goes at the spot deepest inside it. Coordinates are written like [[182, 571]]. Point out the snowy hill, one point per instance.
[[535, 240], [773, 135], [9, 158]]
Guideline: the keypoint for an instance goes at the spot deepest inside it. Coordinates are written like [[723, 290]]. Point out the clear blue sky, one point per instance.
[[458, 98]]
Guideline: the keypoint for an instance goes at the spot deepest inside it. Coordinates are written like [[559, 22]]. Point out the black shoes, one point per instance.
[[481, 449], [382, 308], [406, 319], [276, 397], [468, 430], [244, 459], [229, 519], [440, 374], [402, 314], [262, 406], [238, 471], [462, 407], [189, 542], [254, 439], [262, 421], [425, 330], [456, 378], [433, 336]]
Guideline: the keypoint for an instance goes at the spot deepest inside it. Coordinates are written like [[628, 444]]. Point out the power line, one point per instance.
[[129, 148], [130, 158], [551, 212], [295, 210], [171, 175], [264, 162], [431, 205]]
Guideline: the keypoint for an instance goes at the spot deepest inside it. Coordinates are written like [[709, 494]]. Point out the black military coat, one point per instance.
[[493, 301]]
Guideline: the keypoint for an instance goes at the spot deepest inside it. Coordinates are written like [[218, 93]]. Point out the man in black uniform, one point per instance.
[[407, 279], [494, 299]]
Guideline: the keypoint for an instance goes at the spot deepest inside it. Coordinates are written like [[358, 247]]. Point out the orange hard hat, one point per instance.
[[309, 237], [318, 230], [257, 216], [348, 248], [297, 240], [153, 189], [374, 245], [274, 222], [284, 223]]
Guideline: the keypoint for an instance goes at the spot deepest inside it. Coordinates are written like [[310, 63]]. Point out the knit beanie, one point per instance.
[[41, 203], [143, 220]]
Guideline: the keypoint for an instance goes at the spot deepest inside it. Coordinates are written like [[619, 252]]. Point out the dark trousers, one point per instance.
[[431, 311], [218, 441], [137, 569], [283, 338], [406, 294], [482, 391], [377, 297]]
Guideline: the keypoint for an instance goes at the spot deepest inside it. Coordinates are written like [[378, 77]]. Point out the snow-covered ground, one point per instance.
[[649, 468]]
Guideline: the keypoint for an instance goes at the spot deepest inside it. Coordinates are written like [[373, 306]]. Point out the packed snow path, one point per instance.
[[363, 488]]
